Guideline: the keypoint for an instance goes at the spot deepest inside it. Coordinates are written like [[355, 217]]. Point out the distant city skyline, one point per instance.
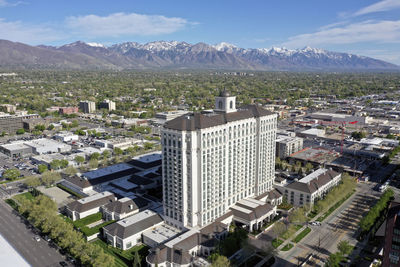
[[364, 27]]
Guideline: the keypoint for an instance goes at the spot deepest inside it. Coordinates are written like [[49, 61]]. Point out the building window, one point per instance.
[[220, 105], [231, 105]]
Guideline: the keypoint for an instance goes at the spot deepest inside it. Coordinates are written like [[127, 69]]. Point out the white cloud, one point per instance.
[[26, 33], [365, 31], [384, 5], [123, 24], [4, 3]]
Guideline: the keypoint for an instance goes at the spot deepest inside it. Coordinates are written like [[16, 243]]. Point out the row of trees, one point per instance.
[[47, 178], [375, 212], [344, 248], [42, 212], [346, 187]]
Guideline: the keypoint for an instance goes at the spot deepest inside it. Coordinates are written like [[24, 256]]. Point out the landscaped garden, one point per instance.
[[301, 235]]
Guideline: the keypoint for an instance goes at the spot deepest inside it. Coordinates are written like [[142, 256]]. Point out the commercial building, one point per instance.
[[339, 117], [127, 232], [66, 136], [8, 108], [37, 146], [391, 249], [211, 161], [68, 110], [310, 188], [11, 123], [286, 145], [89, 205], [107, 104], [122, 143], [87, 106], [170, 115]]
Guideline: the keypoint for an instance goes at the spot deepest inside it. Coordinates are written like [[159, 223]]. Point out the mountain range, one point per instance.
[[180, 55]]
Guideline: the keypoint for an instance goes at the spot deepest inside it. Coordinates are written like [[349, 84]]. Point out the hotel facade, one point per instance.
[[212, 160]]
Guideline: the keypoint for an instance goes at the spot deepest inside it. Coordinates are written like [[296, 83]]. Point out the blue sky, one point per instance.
[[364, 27]]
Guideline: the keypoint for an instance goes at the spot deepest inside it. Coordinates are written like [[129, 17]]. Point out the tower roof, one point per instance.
[[224, 94]]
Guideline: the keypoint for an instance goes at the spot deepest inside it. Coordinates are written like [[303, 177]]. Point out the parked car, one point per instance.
[[37, 238]]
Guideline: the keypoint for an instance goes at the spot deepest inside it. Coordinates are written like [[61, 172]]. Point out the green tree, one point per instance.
[[42, 168], [118, 151], [70, 171], [74, 124], [136, 259], [334, 260], [50, 177], [32, 181], [40, 127], [279, 228], [106, 154], [220, 261], [64, 163], [55, 164], [20, 131], [298, 216], [95, 156], [344, 247], [148, 145], [79, 159], [93, 163], [11, 174]]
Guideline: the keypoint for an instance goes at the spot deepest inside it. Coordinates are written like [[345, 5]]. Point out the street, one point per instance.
[[17, 233], [342, 224]]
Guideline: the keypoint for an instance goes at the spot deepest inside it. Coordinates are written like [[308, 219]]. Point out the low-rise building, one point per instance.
[[127, 232], [68, 110], [89, 205], [66, 136], [286, 145], [122, 143], [123, 208], [310, 188]]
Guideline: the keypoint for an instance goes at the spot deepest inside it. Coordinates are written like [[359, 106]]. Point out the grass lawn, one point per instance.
[[88, 220], [287, 247], [276, 242], [91, 231], [26, 195], [301, 235], [123, 258], [290, 231]]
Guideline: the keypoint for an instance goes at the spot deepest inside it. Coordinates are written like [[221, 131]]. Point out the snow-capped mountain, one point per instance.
[[182, 55]]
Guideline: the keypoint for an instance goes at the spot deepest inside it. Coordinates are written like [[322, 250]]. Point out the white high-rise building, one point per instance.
[[213, 160]]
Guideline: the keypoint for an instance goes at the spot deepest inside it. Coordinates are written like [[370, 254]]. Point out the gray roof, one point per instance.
[[78, 206], [178, 254], [116, 229], [122, 207], [256, 213], [314, 184], [165, 254], [195, 121]]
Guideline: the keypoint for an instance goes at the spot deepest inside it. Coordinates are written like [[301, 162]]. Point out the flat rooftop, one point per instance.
[[107, 171], [162, 233], [136, 218], [94, 197], [319, 155]]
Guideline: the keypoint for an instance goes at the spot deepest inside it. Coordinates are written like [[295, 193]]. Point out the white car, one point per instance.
[[37, 238]]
